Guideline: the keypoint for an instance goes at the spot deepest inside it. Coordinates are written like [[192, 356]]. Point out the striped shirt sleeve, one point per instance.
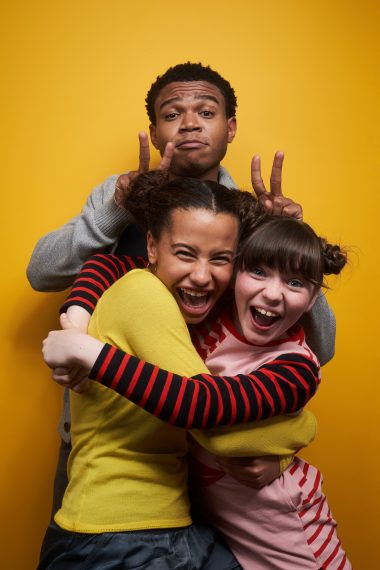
[[281, 386], [96, 276]]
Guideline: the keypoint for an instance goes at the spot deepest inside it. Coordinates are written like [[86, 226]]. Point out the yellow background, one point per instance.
[[74, 78]]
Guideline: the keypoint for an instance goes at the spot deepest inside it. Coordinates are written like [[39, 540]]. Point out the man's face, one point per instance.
[[192, 115]]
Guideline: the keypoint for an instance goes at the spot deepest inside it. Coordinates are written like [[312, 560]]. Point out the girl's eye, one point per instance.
[[183, 254], [258, 272], [295, 283], [221, 260]]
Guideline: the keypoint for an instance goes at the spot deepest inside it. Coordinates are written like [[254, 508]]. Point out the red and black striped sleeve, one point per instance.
[[281, 386], [96, 276]]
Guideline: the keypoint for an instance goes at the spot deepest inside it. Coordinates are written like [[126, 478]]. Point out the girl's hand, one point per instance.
[[70, 347], [75, 378], [253, 472]]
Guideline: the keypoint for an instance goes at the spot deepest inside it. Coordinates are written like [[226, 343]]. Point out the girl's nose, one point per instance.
[[201, 275], [273, 291]]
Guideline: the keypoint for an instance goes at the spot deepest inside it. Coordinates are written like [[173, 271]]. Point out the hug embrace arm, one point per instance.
[[202, 401], [96, 276]]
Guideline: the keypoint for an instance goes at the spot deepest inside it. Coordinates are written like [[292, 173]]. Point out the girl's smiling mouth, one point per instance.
[[194, 299], [262, 317]]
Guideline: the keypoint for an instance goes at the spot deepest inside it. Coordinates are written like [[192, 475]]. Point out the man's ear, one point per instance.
[[232, 126], [151, 246], [153, 137]]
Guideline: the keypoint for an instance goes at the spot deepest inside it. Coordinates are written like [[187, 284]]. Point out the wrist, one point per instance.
[[87, 351]]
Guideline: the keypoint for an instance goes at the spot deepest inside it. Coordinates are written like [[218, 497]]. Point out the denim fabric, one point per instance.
[[192, 548]]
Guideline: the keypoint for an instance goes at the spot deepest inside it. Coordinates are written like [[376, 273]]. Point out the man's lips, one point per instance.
[[190, 144]]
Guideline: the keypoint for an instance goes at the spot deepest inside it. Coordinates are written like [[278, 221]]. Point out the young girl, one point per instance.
[[279, 275]]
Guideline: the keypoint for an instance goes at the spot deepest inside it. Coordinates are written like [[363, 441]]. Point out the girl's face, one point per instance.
[[268, 303], [194, 259]]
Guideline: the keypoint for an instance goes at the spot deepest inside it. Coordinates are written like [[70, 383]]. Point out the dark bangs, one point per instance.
[[286, 244]]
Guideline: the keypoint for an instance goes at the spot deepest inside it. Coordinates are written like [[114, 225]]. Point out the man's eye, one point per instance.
[[171, 116], [207, 114]]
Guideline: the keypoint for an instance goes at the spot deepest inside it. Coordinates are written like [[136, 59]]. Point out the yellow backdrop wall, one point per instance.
[[75, 75]]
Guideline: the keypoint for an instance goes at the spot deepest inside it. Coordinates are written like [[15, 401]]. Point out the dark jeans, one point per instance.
[[190, 548]]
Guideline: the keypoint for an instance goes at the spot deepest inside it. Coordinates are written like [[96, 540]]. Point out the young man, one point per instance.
[[191, 109]]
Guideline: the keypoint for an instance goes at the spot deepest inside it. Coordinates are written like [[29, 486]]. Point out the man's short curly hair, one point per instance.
[[191, 72]]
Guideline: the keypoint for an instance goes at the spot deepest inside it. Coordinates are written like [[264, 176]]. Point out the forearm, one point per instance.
[[206, 401], [282, 436], [320, 329], [59, 255]]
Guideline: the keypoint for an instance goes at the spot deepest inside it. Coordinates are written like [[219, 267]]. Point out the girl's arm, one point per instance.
[[203, 401], [96, 276], [281, 435]]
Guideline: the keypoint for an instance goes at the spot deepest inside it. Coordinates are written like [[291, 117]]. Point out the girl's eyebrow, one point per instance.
[[194, 250], [180, 244]]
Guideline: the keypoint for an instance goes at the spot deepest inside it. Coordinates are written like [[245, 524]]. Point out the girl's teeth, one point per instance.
[[194, 293], [264, 312], [194, 298]]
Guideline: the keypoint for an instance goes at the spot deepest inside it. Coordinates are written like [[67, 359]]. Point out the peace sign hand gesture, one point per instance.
[[124, 180], [274, 201]]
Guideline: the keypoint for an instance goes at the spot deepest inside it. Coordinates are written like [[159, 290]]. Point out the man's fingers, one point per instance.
[[166, 157], [293, 210], [266, 202], [257, 181], [144, 157], [275, 177]]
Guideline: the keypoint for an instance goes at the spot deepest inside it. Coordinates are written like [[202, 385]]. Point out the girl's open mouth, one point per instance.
[[262, 317], [194, 299]]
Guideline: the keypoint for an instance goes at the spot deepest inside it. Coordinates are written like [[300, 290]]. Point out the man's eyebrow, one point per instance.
[[176, 99]]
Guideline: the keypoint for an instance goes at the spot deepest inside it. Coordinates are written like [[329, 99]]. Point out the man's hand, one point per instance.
[[253, 472], [274, 201], [123, 182]]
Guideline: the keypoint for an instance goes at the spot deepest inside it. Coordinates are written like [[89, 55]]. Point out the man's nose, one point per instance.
[[190, 122]]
